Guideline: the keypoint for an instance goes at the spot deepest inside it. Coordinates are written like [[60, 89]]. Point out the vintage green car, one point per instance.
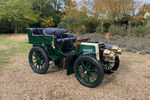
[[89, 60]]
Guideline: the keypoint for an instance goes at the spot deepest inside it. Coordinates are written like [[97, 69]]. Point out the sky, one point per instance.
[[146, 1]]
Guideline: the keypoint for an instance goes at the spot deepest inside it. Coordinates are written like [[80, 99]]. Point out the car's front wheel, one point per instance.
[[88, 71], [109, 67]]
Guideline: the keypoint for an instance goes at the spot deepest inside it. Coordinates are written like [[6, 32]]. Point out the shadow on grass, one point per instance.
[[53, 68], [112, 78]]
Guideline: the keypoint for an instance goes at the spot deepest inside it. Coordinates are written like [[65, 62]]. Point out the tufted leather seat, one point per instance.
[[62, 37], [37, 31], [58, 32]]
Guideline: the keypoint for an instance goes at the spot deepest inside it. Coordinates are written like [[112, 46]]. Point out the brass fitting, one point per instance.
[[108, 55], [119, 51], [116, 49], [106, 52]]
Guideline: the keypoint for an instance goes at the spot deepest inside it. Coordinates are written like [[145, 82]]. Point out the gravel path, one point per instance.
[[130, 82]]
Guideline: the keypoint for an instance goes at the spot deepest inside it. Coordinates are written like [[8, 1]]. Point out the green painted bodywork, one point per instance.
[[39, 39], [89, 49], [55, 54]]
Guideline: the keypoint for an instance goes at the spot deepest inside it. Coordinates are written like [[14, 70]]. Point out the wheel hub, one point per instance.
[[85, 72]]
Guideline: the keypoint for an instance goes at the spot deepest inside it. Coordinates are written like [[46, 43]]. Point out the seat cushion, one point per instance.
[[37, 31], [67, 46], [58, 32], [68, 42]]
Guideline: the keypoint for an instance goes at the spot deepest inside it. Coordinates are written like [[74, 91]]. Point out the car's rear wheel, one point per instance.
[[88, 71], [38, 60]]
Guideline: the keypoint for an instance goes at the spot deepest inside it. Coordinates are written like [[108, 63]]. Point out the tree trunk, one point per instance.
[[129, 28], [16, 28], [102, 27], [27, 25]]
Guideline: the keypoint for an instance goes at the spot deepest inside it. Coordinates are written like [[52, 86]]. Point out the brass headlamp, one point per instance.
[[116, 49], [106, 52], [108, 55]]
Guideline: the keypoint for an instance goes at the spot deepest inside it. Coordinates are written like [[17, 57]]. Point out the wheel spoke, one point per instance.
[[36, 65], [95, 73], [38, 60], [110, 65], [35, 55], [84, 76], [87, 63], [88, 78], [34, 58], [40, 67], [35, 62], [92, 77], [90, 65], [81, 72], [83, 65], [93, 69]]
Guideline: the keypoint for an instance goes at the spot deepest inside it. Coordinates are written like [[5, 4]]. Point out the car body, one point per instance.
[[87, 59]]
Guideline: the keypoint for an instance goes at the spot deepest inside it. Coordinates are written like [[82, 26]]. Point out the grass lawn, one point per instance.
[[11, 47]]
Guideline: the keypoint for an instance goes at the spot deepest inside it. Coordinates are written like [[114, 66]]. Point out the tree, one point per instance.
[[47, 22], [17, 12], [47, 8], [144, 9], [70, 9]]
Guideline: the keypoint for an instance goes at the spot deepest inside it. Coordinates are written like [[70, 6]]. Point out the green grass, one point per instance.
[[16, 69], [13, 48], [147, 76]]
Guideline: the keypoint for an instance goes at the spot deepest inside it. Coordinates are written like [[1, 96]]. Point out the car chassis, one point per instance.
[[89, 60]]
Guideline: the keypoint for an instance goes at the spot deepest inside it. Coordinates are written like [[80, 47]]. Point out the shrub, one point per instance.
[[140, 31], [99, 29], [73, 23], [118, 30], [90, 23], [80, 24]]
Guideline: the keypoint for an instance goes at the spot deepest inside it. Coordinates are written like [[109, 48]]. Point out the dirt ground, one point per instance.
[[18, 37], [130, 82]]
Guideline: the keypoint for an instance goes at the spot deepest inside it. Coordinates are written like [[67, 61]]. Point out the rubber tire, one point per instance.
[[100, 68], [117, 63], [46, 60]]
